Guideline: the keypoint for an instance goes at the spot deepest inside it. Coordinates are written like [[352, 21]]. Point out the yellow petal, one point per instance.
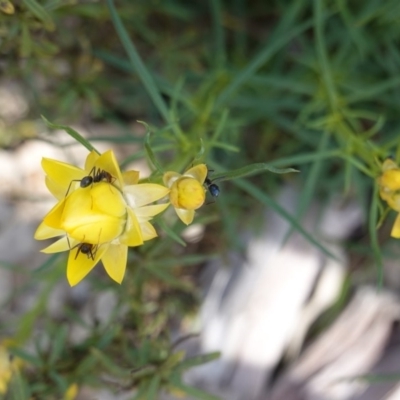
[[144, 193], [198, 172], [91, 160], [53, 218], [147, 212], [80, 264], [107, 199], [396, 228], [57, 190], [130, 177], [97, 230], [46, 232], [170, 177], [186, 216], [148, 231], [133, 234], [114, 261], [72, 392], [389, 164], [108, 162], [62, 173], [59, 246]]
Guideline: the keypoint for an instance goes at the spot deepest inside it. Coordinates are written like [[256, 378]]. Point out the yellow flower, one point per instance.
[[71, 392], [7, 7], [104, 213], [389, 190], [187, 191], [8, 366]]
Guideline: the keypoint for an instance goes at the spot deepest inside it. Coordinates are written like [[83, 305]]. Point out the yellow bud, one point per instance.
[[71, 392], [187, 193], [7, 7], [390, 180], [393, 201]]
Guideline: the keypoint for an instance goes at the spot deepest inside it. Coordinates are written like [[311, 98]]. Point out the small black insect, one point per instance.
[[95, 175], [87, 248], [213, 188]]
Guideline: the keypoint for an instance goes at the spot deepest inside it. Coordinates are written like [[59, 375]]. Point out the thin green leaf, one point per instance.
[[170, 232], [191, 391], [137, 63], [143, 372], [352, 160], [269, 202], [199, 156], [174, 112], [199, 360], [140, 154], [24, 355], [218, 52], [18, 389], [348, 169], [109, 363], [74, 134], [172, 361], [322, 53], [304, 158], [28, 320], [372, 223], [48, 263], [26, 42], [372, 378], [166, 276], [149, 150], [58, 380], [86, 366], [260, 60], [153, 387], [220, 126], [383, 216], [308, 191], [224, 146], [36, 9], [250, 170], [141, 393], [192, 259], [108, 336], [371, 91], [58, 343]]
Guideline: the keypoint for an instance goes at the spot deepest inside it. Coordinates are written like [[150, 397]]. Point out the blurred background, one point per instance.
[[287, 276]]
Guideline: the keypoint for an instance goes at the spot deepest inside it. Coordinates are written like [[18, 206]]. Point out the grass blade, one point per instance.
[[372, 224], [261, 59], [137, 63], [73, 133], [250, 170], [313, 177], [269, 202], [219, 35], [36, 9]]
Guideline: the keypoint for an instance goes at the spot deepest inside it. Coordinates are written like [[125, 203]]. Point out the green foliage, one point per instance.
[[272, 88]]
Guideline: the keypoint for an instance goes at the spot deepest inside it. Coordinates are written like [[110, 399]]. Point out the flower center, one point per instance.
[[95, 215], [187, 193]]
